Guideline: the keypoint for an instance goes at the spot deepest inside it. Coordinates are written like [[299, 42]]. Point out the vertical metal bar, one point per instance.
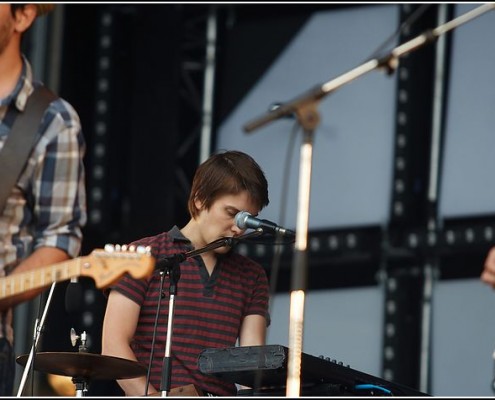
[[54, 51], [438, 104], [426, 315], [208, 85], [299, 269], [432, 197]]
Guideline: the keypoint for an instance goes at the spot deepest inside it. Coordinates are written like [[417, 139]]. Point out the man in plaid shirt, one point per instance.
[[45, 211]]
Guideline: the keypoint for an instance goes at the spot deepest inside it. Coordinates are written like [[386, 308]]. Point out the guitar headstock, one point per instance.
[[106, 266]]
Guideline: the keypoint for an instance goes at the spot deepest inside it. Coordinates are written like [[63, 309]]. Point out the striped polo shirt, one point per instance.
[[208, 310]]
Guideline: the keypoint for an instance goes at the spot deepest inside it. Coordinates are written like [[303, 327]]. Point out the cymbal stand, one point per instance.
[[81, 386], [305, 108], [172, 265], [81, 383], [38, 328]]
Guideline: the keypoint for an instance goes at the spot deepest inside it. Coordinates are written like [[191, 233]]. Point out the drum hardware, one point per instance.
[[84, 366], [74, 338]]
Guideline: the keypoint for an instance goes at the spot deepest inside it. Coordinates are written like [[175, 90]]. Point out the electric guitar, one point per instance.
[[104, 266]]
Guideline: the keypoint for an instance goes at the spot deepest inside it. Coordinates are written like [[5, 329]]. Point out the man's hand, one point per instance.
[[42, 257], [488, 274]]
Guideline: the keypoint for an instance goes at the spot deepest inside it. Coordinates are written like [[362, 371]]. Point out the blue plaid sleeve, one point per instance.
[[58, 190]]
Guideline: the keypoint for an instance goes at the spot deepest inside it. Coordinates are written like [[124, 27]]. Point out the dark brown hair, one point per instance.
[[229, 172], [41, 8]]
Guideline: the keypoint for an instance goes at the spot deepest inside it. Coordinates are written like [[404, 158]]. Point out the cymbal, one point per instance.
[[85, 365]]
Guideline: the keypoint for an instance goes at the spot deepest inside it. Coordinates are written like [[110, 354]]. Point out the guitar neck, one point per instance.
[[40, 277]]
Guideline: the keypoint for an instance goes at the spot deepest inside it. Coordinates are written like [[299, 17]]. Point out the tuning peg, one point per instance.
[[144, 249], [110, 248]]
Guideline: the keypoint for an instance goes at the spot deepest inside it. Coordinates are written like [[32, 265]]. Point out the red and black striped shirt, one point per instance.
[[208, 310]]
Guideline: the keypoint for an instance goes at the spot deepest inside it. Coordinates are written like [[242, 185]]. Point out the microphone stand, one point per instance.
[[38, 327], [305, 109], [171, 264]]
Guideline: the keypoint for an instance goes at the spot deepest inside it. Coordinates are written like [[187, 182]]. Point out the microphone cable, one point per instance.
[[275, 268], [277, 254], [411, 19]]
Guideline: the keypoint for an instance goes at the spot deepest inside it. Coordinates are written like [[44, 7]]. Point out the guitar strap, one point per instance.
[[21, 140]]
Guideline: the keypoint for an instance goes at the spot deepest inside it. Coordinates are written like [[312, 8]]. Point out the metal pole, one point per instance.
[[208, 85]]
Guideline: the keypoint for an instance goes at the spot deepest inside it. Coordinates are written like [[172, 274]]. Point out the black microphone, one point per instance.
[[73, 297], [245, 220]]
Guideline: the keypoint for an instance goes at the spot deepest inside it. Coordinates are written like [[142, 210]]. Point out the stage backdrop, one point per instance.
[[351, 182]]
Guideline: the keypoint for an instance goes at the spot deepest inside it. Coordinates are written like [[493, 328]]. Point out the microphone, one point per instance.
[[245, 220]]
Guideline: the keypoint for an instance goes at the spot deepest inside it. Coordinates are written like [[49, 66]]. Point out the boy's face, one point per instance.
[[219, 222]]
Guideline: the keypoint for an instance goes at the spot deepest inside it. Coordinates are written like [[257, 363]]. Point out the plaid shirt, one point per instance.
[[47, 206]]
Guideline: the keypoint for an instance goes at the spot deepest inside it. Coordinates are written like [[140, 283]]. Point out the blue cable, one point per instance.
[[370, 386]]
